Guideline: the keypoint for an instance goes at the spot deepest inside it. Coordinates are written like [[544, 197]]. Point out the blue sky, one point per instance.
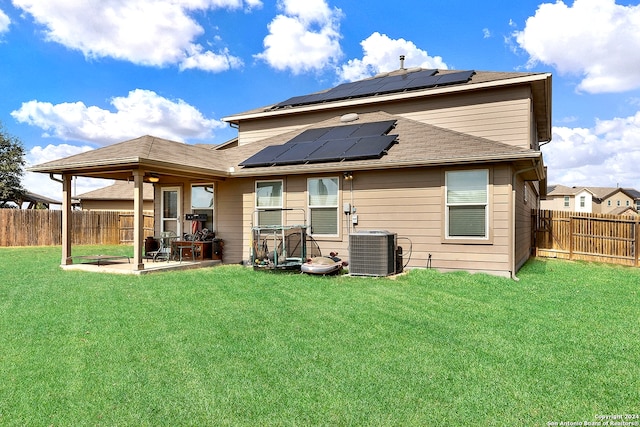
[[79, 75]]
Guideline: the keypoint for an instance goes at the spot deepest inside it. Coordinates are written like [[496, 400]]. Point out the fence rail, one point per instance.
[[585, 236], [39, 227]]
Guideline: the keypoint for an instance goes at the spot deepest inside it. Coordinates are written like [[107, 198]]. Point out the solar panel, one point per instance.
[[346, 142], [423, 82], [340, 132], [374, 129], [266, 156], [331, 151], [459, 77], [359, 88], [297, 153], [372, 147], [309, 135]]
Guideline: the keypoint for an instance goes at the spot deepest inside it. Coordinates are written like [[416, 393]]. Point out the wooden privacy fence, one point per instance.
[[586, 236], [36, 227]]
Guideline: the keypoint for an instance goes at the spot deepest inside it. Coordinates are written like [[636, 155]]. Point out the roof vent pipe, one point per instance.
[[402, 62]]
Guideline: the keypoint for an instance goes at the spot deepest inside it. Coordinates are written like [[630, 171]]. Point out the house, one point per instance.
[[609, 200], [115, 197], [448, 160], [35, 201]]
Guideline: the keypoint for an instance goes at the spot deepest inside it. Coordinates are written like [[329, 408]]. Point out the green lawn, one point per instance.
[[230, 346]]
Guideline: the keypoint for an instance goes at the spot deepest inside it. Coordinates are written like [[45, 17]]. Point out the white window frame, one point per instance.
[[311, 207], [259, 208], [583, 201], [566, 201], [177, 219], [484, 203]]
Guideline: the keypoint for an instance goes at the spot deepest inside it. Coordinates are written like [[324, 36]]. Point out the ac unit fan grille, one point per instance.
[[372, 253]]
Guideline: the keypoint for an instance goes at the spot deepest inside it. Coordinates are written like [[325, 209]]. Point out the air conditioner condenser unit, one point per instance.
[[372, 253]]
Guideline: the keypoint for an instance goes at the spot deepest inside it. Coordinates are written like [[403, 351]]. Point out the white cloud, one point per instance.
[[486, 33], [209, 61], [306, 37], [4, 22], [605, 155], [382, 54], [141, 112], [596, 39], [145, 32]]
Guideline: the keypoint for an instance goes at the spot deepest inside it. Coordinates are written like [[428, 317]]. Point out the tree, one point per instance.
[[12, 164]]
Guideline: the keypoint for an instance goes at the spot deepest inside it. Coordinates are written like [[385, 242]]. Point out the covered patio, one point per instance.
[[124, 266], [144, 159]]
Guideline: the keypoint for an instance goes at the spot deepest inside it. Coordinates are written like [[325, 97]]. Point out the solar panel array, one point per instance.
[[347, 142], [381, 85]]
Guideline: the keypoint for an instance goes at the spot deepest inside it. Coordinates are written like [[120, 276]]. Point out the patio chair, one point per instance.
[[164, 251]]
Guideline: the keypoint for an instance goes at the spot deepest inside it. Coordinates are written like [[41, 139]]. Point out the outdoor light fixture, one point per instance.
[[153, 178], [348, 176]]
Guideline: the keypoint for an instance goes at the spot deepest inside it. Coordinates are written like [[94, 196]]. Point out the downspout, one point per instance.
[[53, 178], [513, 217]]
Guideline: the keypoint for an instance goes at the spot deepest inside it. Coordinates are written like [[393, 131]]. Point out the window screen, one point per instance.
[[467, 200], [269, 202], [323, 205]]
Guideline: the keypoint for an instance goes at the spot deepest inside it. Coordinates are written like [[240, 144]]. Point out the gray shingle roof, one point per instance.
[[418, 144], [120, 190]]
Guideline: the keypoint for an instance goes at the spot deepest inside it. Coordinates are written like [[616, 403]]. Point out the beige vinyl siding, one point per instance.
[[556, 203], [230, 201], [407, 202], [523, 222], [502, 115]]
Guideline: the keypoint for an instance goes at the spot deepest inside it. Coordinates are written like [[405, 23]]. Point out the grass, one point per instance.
[[230, 346]]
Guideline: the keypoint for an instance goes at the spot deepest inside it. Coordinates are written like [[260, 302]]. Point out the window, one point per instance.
[[202, 203], [582, 201], [627, 203], [608, 202], [566, 201], [618, 203], [269, 202], [467, 198], [323, 205]]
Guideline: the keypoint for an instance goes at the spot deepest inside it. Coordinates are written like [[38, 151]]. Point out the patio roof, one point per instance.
[[154, 155]]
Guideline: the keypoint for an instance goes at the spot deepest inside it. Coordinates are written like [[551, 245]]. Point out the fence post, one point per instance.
[[635, 242], [571, 238]]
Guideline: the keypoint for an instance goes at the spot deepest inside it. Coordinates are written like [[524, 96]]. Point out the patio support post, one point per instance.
[[138, 219], [66, 220]]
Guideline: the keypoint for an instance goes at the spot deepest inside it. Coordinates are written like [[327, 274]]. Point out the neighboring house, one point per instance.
[[115, 197], [449, 160], [610, 200], [31, 200]]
